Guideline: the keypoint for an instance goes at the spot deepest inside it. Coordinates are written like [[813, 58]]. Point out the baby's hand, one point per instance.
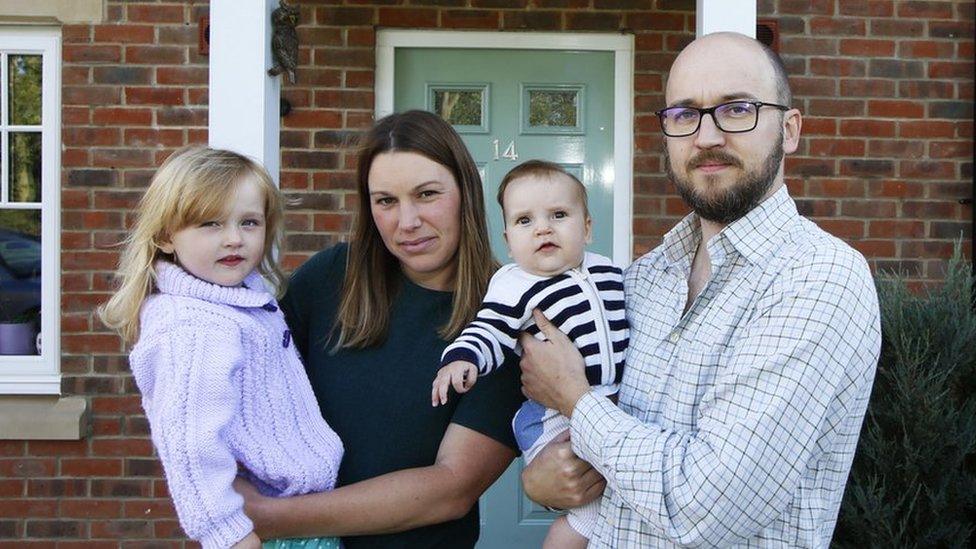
[[459, 374], [252, 541]]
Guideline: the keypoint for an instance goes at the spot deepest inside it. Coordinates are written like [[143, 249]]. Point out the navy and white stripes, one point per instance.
[[586, 304]]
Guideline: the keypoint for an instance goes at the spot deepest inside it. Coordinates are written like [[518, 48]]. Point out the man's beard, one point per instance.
[[728, 205]]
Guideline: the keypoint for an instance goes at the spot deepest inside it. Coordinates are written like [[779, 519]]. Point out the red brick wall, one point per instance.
[[886, 89]]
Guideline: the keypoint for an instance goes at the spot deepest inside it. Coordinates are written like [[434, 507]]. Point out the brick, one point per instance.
[[808, 167], [819, 126], [900, 148], [925, 48], [125, 34], [951, 109], [658, 62], [11, 488], [894, 68], [836, 107], [179, 116], [309, 160], [360, 37], [121, 158], [345, 99], [344, 17], [26, 467], [958, 70], [816, 208], [927, 128], [929, 209], [75, 74], [407, 17], [875, 248], [867, 48], [121, 488], [323, 36], [562, 3], [92, 137], [119, 116], [92, 178], [149, 509], [470, 19], [926, 89], [840, 26], [843, 228], [182, 75], [143, 468], [90, 343], [836, 147], [867, 168], [897, 27], [88, 53], [360, 79], [122, 529], [951, 149], [154, 96], [806, 7], [145, 137], [91, 95], [345, 57], [54, 528], [154, 13], [925, 10], [951, 29], [655, 21], [950, 229], [831, 66], [592, 21], [808, 46], [307, 118], [896, 109], [927, 169], [155, 55], [868, 208], [89, 220], [122, 75], [517, 4], [185, 35], [867, 128], [896, 229], [866, 88]]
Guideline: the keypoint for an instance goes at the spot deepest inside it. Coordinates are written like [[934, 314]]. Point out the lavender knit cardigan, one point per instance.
[[222, 385]]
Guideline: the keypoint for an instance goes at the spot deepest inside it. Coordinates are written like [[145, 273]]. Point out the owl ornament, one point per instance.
[[284, 40]]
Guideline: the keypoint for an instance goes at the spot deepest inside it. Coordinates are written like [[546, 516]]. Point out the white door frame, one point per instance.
[[387, 40]]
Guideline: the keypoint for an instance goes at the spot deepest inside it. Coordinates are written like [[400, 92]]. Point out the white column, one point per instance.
[[725, 15], [243, 98]]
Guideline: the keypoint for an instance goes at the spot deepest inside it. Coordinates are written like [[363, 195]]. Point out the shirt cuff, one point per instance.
[[227, 532], [592, 419]]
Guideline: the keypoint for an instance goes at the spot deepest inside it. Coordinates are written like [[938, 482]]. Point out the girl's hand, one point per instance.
[[459, 374], [251, 541]]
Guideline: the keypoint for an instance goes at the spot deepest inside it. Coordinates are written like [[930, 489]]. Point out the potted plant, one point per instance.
[[18, 330]]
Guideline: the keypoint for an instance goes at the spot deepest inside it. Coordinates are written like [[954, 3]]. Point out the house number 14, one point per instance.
[[510, 152]]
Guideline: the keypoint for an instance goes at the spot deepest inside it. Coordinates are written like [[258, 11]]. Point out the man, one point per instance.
[[754, 338]]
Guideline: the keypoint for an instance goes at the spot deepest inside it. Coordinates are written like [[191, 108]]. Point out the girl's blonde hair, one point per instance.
[[372, 272], [194, 184]]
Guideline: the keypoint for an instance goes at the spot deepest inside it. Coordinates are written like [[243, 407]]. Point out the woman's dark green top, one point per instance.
[[378, 399]]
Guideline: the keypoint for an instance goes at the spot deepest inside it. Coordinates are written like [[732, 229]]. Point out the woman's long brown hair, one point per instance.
[[372, 272]]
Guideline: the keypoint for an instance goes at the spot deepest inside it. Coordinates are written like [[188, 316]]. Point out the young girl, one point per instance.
[[221, 382]]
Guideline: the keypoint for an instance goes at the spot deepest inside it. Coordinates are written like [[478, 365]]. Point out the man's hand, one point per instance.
[[557, 478], [552, 371]]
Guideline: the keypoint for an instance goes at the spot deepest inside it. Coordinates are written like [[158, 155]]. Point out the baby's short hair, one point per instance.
[[539, 168]]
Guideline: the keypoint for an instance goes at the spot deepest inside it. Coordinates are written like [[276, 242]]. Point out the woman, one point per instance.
[[370, 320]]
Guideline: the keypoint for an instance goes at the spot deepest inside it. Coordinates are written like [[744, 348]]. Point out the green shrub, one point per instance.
[[913, 481]]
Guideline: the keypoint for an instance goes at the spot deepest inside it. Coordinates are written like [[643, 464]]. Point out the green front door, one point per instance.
[[511, 106]]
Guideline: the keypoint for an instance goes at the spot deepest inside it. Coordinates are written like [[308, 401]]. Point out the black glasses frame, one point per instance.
[[711, 112]]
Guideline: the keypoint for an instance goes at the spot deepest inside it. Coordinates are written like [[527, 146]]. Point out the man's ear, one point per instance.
[[792, 121]]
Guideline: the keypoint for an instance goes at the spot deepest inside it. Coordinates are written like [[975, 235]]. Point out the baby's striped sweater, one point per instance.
[[586, 304]]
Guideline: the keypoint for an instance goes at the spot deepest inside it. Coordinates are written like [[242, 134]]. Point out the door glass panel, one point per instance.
[[463, 106], [24, 167], [558, 108], [24, 89], [20, 281]]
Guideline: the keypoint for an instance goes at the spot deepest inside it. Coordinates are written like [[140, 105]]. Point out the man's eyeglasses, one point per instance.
[[731, 117]]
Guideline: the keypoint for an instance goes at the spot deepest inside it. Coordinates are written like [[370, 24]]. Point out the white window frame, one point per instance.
[[622, 46], [41, 374]]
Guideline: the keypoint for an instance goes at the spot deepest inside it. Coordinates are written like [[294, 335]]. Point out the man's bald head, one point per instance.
[[738, 49]]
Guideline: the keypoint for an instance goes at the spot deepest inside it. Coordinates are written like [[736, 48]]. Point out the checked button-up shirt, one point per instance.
[[738, 418]]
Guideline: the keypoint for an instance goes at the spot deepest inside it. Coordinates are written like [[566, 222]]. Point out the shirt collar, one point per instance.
[[755, 235], [173, 280]]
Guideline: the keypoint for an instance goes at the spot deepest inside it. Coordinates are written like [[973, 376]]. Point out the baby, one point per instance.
[[547, 226]]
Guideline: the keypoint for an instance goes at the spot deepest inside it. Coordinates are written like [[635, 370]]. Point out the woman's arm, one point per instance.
[[467, 463]]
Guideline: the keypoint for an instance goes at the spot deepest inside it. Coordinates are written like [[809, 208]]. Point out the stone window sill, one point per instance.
[[43, 417]]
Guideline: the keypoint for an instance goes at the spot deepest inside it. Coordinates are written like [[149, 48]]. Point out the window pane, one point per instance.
[[25, 167], [24, 89], [459, 107], [553, 108], [20, 281]]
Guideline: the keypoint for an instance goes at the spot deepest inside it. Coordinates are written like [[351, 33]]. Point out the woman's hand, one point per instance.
[[251, 541], [557, 478], [255, 507]]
